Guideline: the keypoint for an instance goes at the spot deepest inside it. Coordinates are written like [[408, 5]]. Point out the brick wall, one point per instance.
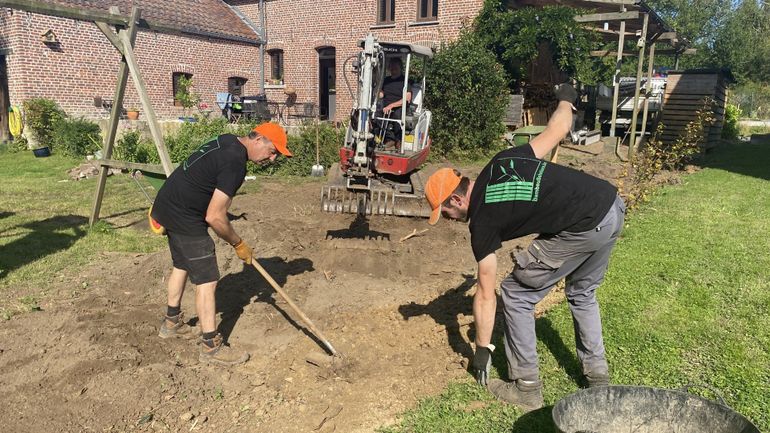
[[301, 28], [85, 64]]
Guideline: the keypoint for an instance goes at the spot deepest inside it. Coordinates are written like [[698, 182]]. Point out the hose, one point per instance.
[[15, 121]]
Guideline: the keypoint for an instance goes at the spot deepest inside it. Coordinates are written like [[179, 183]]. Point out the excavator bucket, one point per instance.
[[380, 199]]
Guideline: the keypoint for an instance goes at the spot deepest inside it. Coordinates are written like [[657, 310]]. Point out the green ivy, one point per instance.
[[515, 35]]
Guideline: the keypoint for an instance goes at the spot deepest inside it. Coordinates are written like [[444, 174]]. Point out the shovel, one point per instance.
[[294, 307], [318, 169]]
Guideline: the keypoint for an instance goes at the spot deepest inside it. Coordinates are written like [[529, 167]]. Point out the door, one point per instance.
[[327, 83], [5, 102]]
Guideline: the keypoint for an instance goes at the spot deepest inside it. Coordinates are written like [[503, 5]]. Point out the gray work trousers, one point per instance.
[[583, 259]]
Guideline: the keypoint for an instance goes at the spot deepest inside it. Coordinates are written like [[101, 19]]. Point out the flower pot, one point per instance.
[[132, 115], [42, 152]]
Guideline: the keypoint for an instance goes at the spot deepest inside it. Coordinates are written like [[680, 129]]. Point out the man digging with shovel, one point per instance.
[[195, 197], [578, 218]]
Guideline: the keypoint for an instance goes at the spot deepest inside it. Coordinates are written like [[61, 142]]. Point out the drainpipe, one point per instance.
[[262, 33], [263, 36]]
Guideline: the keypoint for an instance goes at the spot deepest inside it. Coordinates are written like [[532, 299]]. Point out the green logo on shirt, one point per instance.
[[506, 183], [205, 148]]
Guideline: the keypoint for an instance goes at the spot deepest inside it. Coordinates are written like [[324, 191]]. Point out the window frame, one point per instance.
[[239, 81], [281, 65], [175, 82], [390, 6], [428, 17]]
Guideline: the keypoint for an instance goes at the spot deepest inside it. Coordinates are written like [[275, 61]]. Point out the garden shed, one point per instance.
[[689, 91]]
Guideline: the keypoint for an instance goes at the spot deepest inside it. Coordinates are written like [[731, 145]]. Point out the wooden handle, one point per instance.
[[294, 307]]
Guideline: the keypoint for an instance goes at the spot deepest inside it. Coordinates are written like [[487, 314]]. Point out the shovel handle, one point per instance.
[[294, 307]]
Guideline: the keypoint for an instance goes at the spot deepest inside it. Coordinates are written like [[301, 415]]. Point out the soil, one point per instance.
[[399, 312]]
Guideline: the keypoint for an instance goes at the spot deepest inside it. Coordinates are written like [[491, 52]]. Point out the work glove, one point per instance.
[[244, 251], [482, 362], [565, 92]]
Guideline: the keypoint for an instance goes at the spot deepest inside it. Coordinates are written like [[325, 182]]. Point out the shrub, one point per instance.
[[730, 127], [76, 137], [656, 155], [133, 147], [41, 116], [303, 146], [467, 94]]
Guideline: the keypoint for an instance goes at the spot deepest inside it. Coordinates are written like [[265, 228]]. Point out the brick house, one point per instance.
[[72, 62], [308, 42]]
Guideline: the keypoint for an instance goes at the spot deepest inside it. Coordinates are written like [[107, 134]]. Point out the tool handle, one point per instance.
[[317, 148], [294, 306]]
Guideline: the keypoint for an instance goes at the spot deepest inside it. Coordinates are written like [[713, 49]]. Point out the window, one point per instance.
[[175, 85], [276, 66], [427, 10], [235, 85], [386, 11]]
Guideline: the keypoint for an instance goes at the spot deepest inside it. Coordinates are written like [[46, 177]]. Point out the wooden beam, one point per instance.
[[149, 168], [47, 8], [686, 52], [647, 89], [605, 53], [141, 89], [640, 64], [610, 16], [111, 36], [667, 36], [614, 2], [616, 84], [606, 32], [112, 128]]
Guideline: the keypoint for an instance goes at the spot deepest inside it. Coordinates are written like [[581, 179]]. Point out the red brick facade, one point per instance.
[[300, 29], [84, 64]]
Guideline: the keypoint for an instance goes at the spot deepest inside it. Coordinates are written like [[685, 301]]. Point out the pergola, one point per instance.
[[618, 20]]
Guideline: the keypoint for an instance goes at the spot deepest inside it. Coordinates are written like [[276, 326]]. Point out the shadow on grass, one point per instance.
[[235, 291], [565, 356], [540, 421], [46, 237], [749, 159]]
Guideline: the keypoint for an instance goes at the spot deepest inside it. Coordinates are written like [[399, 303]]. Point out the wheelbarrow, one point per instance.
[[639, 409]]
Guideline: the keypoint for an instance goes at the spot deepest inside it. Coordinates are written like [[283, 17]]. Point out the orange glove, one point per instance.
[[154, 225], [244, 251]]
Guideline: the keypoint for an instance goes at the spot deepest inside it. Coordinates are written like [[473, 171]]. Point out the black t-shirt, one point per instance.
[[392, 89], [517, 194], [181, 203]]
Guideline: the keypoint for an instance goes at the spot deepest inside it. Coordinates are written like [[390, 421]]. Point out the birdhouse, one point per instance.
[[49, 37]]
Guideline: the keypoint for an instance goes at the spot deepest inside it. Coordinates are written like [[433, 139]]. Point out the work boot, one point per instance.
[[597, 379], [174, 326], [527, 396], [214, 351]]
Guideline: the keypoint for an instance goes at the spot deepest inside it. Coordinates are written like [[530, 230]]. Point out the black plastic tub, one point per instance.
[[639, 409], [41, 152]]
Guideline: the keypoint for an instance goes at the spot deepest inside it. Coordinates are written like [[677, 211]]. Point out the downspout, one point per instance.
[[260, 31]]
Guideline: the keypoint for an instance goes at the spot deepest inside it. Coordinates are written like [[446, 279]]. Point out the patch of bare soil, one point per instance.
[[400, 313]]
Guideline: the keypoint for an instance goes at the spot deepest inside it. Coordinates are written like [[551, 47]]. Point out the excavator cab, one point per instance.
[[378, 172]]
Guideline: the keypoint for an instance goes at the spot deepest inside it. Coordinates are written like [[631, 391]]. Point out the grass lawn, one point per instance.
[[686, 300], [44, 231]]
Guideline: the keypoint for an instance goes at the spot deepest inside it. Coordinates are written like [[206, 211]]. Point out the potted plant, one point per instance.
[[132, 113], [204, 110]]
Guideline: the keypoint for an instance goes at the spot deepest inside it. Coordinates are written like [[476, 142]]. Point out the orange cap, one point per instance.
[[276, 134], [438, 188]]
